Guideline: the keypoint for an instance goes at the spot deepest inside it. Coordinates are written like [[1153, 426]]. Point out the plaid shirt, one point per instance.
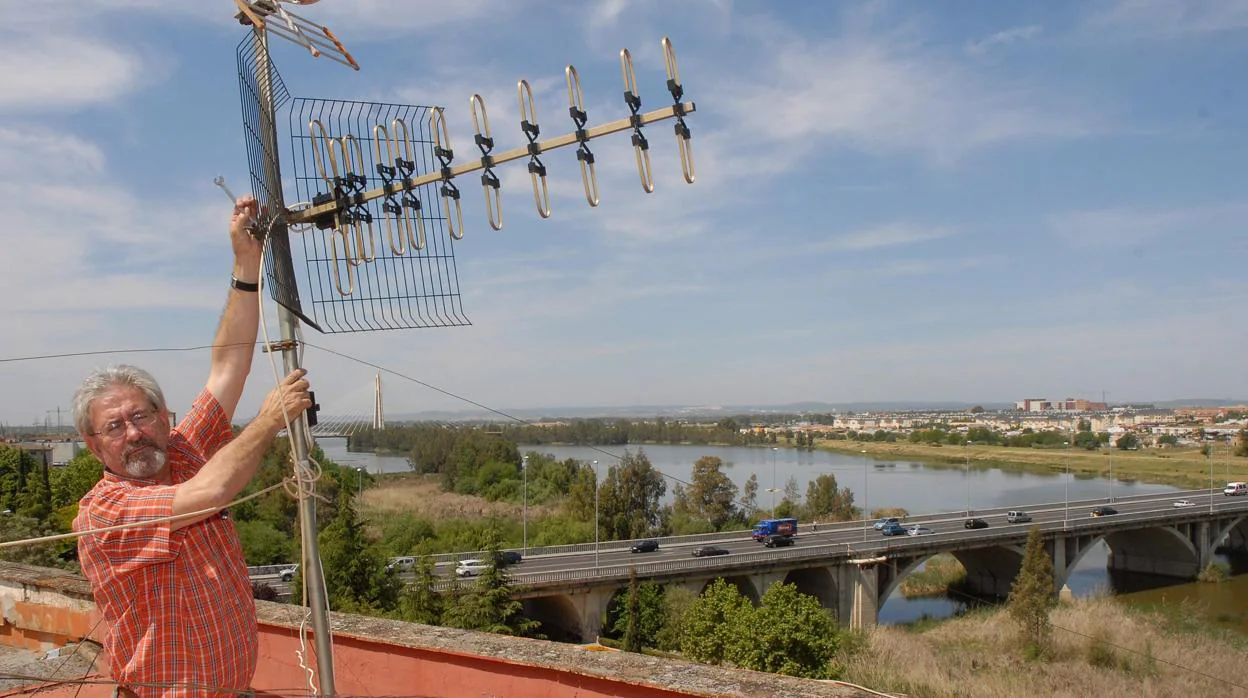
[[179, 602]]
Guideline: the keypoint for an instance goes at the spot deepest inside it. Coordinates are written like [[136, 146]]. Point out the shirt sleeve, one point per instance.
[[205, 428], [131, 548]]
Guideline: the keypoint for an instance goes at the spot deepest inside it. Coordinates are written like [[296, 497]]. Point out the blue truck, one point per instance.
[[775, 527]]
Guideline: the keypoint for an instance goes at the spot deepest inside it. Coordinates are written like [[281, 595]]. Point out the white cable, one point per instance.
[[305, 476]]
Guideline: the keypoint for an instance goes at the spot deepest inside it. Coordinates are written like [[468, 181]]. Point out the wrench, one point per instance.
[[251, 222]]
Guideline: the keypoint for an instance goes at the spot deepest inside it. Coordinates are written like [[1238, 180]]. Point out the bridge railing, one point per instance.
[[649, 569]]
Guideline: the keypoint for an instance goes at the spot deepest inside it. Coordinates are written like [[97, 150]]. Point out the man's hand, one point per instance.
[[287, 401], [247, 249]]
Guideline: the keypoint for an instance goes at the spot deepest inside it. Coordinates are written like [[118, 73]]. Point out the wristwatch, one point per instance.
[[243, 285]]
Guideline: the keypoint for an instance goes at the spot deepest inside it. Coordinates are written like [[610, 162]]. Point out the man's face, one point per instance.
[[128, 435]]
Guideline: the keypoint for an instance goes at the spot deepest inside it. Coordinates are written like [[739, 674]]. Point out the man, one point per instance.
[[176, 594]]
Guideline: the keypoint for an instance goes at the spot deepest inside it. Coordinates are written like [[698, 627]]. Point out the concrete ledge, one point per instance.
[[523, 661], [47, 608]]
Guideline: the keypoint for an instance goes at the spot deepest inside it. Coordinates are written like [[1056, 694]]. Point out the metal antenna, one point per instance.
[[358, 164]]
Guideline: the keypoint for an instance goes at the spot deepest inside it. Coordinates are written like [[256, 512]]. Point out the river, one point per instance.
[[920, 489]]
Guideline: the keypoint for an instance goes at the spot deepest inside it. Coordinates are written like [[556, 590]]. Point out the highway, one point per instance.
[[851, 534]]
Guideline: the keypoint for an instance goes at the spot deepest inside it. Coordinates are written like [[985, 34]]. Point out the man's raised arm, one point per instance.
[[235, 343]]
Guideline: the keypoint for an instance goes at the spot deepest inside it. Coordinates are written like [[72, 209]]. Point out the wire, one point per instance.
[[137, 524], [470, 401], [148, 350]]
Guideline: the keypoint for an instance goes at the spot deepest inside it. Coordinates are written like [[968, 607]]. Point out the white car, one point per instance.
[[919, 531], [470, 568], [287, 573], [1182, 503]]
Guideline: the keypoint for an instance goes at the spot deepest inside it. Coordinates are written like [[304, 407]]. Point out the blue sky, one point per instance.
[[895, 201]]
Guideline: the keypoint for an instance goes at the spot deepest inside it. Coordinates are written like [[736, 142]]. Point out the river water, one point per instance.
[[920, 489]]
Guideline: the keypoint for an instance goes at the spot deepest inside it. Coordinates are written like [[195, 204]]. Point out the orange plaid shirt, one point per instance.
[[179, 602]]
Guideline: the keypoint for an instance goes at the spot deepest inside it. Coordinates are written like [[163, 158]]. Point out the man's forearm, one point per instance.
[[226, 474], [235, 342]]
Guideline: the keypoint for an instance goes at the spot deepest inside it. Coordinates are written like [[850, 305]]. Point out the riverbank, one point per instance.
[[1099, 648], [1181, 467]]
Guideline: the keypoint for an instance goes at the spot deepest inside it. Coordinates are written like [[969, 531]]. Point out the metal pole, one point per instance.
[[866, 493], [773, 481], [966, 474], [1211, 484], [595, 513], [313, 578], [359, 476], [524, 545]]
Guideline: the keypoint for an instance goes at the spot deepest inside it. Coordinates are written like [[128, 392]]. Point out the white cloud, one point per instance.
[[1165, 18], [1003, 38], [887, 235], [65, 71], [880, 91], [1131, 226]]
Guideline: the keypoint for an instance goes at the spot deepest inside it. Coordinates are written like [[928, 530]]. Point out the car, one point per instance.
[[1184, 503], [401, 564], [879, 525], [1017, 517], [777, 541], [919, 531], [286, 574], [893, 529], [470, 567], [1104, 511], [709, 550], [1235, 488], [975, 523], [509, 557], [644, 546]]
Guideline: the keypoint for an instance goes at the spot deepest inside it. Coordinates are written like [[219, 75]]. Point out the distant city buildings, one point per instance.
[[1070, 404]]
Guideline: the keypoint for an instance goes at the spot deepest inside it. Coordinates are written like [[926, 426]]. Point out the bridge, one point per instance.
[[346, 424], [852, 569]]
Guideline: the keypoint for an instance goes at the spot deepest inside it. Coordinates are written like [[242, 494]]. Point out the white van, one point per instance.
[[1234, 488]]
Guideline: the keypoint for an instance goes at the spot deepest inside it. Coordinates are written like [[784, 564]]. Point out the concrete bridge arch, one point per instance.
[[818, 582], [559, 615]]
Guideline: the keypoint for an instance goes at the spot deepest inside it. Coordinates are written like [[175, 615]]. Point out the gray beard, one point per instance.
[[145, 465]]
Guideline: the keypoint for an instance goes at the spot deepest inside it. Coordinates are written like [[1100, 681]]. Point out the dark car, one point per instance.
[[777, 541], [976, 523], [1104, 511], [645, 546], [709, 550], [893, 529], [508, 557]]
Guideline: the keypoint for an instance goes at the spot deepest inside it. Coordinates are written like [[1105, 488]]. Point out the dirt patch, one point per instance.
[[423, 496]]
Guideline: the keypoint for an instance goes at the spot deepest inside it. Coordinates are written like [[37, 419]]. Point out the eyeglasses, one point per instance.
[[117, 427]]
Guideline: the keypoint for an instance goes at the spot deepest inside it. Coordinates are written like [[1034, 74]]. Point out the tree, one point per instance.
[[977, 409], [487, 605], [749, 494], [632, 615], [712, 495], [824, 500], [580, 502], [1242, 449], [629, 498], [789, 633], [420, 602], [710, 624], [1127, 442], [356, 578], [75, 479], [675, 603], [1032, 597], [1167, 440]]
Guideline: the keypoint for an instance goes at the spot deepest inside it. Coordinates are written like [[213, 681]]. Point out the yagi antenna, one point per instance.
[[361, 167]]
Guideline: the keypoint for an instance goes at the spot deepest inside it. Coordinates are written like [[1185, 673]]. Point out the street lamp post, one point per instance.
[[595, 513], [524, 517], [1210, 459], [1066, 498], [360, 479], [966, 473], [773, 480], [866, 492]]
